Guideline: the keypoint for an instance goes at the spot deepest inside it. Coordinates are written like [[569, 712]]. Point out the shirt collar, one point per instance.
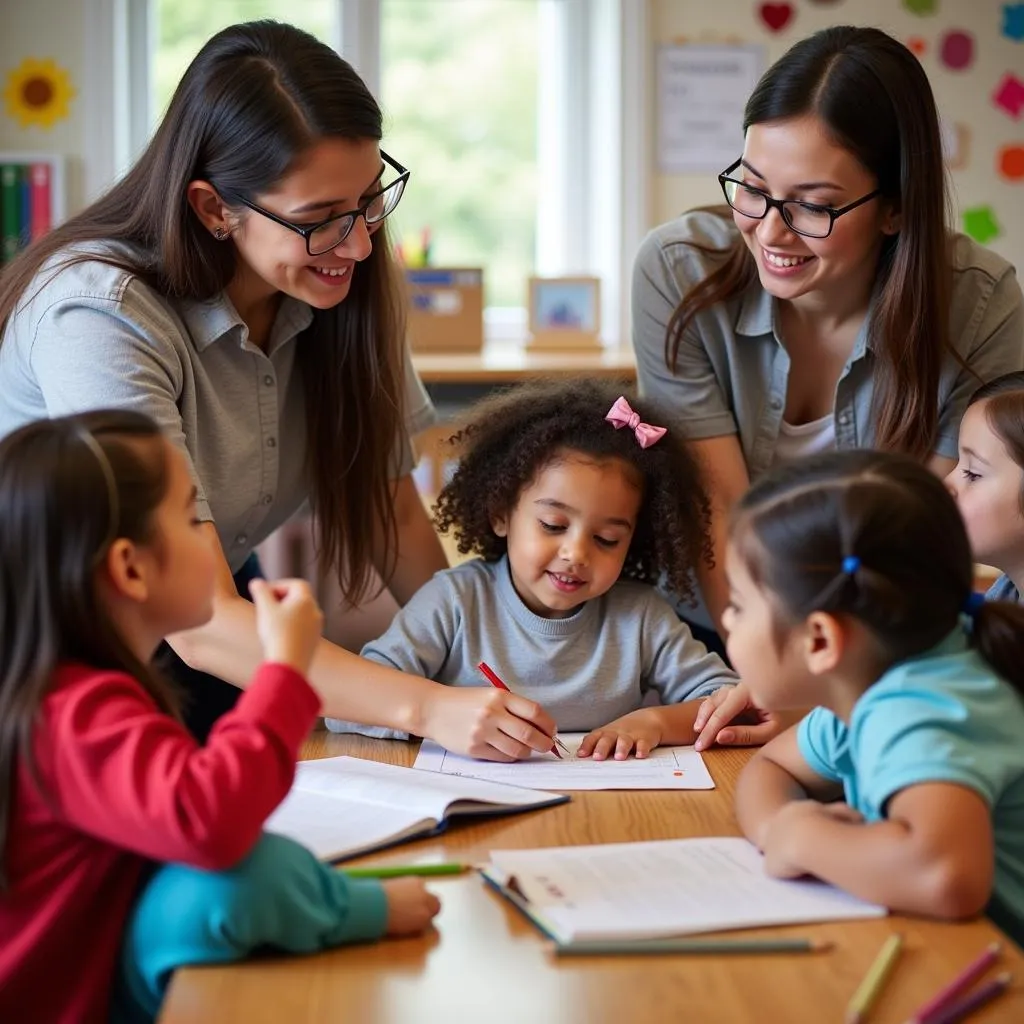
[[216, 318], [756, 317]]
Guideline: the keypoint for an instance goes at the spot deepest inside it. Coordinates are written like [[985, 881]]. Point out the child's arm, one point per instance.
[[418, 641], [933, 855], [683, 672], [927, 847], [776, 776], [129, 774]]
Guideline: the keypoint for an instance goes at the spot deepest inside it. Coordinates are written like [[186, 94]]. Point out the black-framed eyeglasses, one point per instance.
[[808, 219], [329, 234]]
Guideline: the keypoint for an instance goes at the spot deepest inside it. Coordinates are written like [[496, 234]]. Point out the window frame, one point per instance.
[[593, 144]]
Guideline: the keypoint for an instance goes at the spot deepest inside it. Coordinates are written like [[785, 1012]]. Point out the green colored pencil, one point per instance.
[[402, 870], [692, 946], [870, 987]]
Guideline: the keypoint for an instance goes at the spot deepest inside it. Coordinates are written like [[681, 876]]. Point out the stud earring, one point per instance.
[[220, 234]]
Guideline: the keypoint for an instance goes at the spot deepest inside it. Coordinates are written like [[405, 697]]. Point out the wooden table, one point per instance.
[[486, 963]]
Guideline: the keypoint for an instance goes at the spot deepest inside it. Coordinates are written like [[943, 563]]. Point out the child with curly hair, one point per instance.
[[577, 506]]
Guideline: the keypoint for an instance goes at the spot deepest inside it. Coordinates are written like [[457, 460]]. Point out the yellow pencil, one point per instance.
[[868, 990]]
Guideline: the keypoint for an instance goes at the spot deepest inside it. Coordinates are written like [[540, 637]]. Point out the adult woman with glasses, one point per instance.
[[830, 307], [237, 286]]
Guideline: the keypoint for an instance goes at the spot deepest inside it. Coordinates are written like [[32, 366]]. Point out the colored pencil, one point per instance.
[[402, 870], [974, 1000], [496, 681], [692, 946], [870, 987], [963, 981]]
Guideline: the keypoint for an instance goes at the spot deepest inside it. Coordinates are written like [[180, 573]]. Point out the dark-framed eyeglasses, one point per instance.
[[329, 234], [808, 219]]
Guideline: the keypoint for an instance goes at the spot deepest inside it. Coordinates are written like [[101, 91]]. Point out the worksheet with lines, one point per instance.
[[664, 768]]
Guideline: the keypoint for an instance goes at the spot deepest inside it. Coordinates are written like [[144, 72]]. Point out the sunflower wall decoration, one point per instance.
[[38, 92]]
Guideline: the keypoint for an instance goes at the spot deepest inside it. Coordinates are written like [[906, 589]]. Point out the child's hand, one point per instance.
[[288, 620], [793, 831], [639, 730], [411, 907], [729, 717]]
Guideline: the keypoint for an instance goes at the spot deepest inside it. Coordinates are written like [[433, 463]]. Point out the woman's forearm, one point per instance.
[[350, 687]]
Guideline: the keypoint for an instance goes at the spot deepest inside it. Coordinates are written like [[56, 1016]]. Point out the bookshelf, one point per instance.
[[32, 197]]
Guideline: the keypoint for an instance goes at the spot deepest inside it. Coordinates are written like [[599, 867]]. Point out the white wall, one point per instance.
[[962, 96]]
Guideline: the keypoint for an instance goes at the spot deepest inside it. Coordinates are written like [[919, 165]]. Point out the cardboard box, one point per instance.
[[446, 309]]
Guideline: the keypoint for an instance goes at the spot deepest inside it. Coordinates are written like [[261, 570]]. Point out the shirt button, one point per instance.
[[271, 442], [266, 499], [776, 403], [268, 380], [241, 539], [844, 419]]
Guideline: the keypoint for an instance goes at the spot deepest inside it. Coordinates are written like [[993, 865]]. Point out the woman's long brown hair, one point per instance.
[[255, 98], [874, 98]]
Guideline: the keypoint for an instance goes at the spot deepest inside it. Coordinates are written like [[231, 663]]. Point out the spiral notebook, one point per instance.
[[340, 807], [654, 890]]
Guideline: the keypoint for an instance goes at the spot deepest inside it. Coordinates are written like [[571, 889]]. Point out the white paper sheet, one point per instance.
[[665, 768], [658, 889]]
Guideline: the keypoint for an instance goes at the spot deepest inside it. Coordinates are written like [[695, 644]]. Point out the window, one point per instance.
[[179, 28], [459, 92], [523, 122]]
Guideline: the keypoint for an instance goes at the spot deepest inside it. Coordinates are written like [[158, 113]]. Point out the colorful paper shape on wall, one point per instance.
[[917, 46], [956, 50], [981, 224], [1009, 95], [776, 16], [921, 7], [1010, 162], [38, 92], [1013, 22]]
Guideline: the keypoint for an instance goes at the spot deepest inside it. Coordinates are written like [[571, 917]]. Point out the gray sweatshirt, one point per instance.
[[585, 670]]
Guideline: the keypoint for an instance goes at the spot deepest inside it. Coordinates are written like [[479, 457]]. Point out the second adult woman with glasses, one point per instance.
[[236, 286], [830, 307]]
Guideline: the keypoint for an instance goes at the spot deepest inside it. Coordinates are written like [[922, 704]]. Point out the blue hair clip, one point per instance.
[[851, 563], [972, 604]]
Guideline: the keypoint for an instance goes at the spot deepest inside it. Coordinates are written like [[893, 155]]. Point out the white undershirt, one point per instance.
[[804, 439]]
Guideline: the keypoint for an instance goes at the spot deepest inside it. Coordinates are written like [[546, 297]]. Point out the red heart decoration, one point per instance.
[[776, 16]]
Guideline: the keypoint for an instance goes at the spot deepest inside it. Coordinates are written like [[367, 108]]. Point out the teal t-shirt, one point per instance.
[[943, 717]]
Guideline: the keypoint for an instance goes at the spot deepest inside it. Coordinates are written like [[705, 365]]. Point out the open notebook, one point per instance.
[[340, 807], [634, 891]]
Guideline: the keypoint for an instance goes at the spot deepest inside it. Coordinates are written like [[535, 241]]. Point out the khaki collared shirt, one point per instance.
[[733, 368], [93, 336]]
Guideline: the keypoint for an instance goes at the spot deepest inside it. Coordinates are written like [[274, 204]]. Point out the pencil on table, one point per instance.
[[973, 1001], [963, 981], [871, 985], [691, 946]]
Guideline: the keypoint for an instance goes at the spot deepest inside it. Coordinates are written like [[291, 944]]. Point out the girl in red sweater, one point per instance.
[[101, 557]]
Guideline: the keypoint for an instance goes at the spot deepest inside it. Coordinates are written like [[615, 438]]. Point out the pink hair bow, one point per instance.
[[621, 415]]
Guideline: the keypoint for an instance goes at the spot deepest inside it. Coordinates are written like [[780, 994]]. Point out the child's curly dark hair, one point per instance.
[[512, 436]]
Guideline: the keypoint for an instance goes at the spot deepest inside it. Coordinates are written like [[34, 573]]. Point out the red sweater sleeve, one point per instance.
[[126, 773]]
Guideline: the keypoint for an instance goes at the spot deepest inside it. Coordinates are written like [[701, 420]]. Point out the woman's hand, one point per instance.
[[487, 723], [639, 730], [730, 718]]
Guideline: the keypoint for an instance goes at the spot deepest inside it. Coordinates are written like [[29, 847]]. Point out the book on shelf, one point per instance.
[[31, 190]]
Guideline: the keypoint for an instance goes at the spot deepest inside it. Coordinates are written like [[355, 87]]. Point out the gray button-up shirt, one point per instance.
[[94, 336], [732, 372]]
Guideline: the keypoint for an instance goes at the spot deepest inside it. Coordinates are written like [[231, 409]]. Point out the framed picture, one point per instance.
[[565, 312]]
